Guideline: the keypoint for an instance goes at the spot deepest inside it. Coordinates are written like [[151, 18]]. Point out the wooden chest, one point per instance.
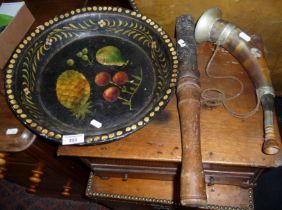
[[145, 166]]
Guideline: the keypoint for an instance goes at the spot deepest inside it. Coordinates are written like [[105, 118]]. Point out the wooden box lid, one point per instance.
[[224, 138]]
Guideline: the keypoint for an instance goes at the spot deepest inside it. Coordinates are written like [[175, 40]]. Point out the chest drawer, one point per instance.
[[160, 194], [168, 171]]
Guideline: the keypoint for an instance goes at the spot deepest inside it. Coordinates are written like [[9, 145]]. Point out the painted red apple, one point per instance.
[[111, 94], [120, 78], [102, 78]]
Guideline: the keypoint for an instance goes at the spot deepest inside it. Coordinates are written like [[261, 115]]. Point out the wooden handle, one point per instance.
[[193, 188], [192, 185]]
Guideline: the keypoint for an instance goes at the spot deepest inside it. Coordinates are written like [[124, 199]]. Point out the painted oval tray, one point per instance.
[[97, 73]]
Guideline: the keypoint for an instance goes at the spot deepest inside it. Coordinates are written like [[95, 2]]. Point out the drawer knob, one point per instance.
[[210, 181], [125, 177]]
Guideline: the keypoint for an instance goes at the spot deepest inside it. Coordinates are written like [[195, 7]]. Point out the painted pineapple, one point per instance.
[[73, 92]]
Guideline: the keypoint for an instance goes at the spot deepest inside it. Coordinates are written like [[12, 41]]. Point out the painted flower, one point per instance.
[[153, 44], [48, 41], [102, 23], [26, 91]]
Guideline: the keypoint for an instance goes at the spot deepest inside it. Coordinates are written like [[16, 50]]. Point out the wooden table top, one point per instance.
[[224, 138]]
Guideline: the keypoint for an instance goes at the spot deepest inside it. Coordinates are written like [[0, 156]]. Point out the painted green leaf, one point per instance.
[[111, 56]]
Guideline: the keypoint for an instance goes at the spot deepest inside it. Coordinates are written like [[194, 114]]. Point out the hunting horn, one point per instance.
[[210, 27]]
